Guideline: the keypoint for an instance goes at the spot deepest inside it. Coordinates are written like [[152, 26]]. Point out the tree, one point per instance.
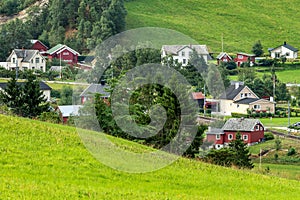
[[257, 49], [241, 153], [277, 144], [66, 95], [12, 95], [34, 102]]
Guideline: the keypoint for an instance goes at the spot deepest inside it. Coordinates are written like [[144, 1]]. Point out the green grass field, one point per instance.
[[278, 122], [241, 22], [46, 161]]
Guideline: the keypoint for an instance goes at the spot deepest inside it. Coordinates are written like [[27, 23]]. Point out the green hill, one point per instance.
[[241, 22], [46, 161]]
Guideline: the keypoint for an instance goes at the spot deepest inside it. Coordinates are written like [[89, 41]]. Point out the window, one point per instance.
[[184, 61], [65, 53], [31, 61], [240, 56], [256, 107], [37, 60], [230, 137], [237, 105], [245, 137], [183, 53], [257, 127], [287, 53], [218, 137], [246, 94], [249, 94], [14, 60], [277, 54], [242, 95], [190, 53], [261, 128], [41, 68]]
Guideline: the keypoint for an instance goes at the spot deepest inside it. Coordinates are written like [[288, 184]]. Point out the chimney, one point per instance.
[[284, 43], [237, 85]]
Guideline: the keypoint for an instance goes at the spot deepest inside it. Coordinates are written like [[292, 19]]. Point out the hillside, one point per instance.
[[241, 22], [45, 161]]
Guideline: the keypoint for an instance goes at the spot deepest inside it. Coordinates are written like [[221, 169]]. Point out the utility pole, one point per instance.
[[289, 115], [17, 69], [204, 106], [222, 39]]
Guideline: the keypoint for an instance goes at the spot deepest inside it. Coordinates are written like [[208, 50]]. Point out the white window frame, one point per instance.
[[182, 53], [240, 56], [218, 137], [184, 61], [257, 127], [230, 137], [256, 107], [245, 137]]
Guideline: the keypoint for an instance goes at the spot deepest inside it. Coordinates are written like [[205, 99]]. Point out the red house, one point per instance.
[[244, 58], [38, 45], [251, 130], [223, 57], [64, 53]]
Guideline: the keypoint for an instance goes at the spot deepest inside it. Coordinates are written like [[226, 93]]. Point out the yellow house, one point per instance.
[[239, 98]]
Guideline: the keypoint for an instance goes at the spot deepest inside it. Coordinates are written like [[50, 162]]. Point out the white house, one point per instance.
[[284, 50], [26, 59], [182, 53]]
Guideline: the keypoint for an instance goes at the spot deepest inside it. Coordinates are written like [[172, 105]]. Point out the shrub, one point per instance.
[[239, 115], [269, 136], [52, 117], [291, 151]]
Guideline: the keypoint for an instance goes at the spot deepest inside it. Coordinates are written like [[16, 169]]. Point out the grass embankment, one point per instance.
[[285, 76], [241, 22], [46, 161], [284, 166]]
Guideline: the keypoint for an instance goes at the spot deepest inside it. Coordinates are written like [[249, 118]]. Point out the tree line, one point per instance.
[[80, 24]]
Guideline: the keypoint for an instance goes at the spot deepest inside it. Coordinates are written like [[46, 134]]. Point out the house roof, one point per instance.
[[214, 131], [230, 93], [174, 49], [286, 46], [240, 124], [25, 54], [43, 86], [246, 54], [35, 41], [246, 100], [198, 95], [95, 88], [59, 48], [222, 54], [69, 110]]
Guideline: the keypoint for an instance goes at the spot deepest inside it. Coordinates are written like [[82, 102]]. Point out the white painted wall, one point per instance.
[[283, 52]]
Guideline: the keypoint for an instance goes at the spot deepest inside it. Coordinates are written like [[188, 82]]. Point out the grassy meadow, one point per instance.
[[46, 161], [241, 22]]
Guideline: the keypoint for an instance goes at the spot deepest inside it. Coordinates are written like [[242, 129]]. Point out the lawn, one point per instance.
[[278, 122], [46, 161], [241, 22]]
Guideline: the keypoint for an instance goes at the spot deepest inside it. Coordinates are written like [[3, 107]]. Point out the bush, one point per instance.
[[55, 93], [239, 115], [292, 151], [52, 117], [269, 136]]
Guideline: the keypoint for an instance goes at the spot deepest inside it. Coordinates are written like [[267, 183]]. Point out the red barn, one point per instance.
[[251, 130], [38, 45], [64, 53], [223, 57], [244, 58]]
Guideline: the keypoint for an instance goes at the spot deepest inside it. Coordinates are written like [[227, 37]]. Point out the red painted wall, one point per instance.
[[245, 58], [39, 46], [212, 138], [66, 56]]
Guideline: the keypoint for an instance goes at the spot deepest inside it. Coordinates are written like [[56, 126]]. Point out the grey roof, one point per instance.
[[43, 86], [96, 88], [69, 110], [240, 124], [25, 54], [286, 46], [246, 54], [230, 93], [246, 100], [174, 49], [214, 131]]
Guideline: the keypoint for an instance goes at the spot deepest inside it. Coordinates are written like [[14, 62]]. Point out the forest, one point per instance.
[[80, 24]]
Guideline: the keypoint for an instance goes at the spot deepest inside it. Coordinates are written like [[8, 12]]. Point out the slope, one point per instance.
[[46, 161], [241, 22]]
